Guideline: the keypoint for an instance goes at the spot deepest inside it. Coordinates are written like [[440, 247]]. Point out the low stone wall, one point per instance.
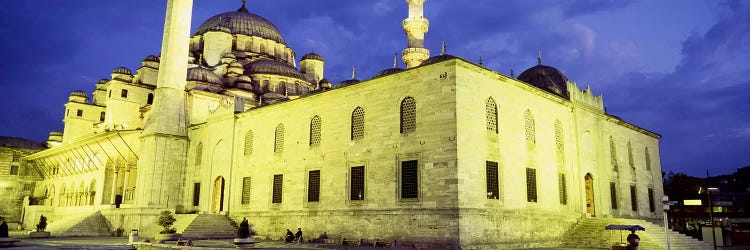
[[141, 219], [513, 229]]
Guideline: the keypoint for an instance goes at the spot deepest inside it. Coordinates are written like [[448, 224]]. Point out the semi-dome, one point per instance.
[[386, 72], [241, 22], [273, 67], [102, 81], [546, 78], [437, 59], [347, 83], [325, 83], [151, 58], [122, 70], [201, 74], [312, 56]]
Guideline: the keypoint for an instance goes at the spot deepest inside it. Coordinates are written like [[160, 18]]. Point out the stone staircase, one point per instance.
[[590, 233], [210, 226], [93, 224]]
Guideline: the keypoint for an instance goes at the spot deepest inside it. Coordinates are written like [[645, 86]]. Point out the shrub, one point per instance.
[[42, 224], [246, 229], [166, 219]]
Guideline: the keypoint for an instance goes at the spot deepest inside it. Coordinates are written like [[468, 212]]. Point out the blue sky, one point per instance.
[[678, 68]]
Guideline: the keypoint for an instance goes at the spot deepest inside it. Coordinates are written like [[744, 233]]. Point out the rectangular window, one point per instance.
[[16, 156], [79, 113], [493, 190], [531, 185], [633, 199], [613, 194], [13, 170], [277, 185], [245, 191], [124, 93], [313, 186], [651, 205], [101, 116], [563, 190], [409, 179], [196, 193], [357, 187]]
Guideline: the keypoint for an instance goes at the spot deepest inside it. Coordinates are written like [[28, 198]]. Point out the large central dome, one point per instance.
[[242, 22]]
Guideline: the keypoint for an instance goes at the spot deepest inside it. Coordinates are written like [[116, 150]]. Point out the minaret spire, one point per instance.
[[539, 57], [354, 71], [395, 60], [442, 48], [415, 27]]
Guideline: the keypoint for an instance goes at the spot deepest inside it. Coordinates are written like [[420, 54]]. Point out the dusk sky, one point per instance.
[[678, 68]]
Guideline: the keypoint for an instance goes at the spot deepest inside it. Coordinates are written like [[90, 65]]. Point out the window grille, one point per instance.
[[563, 189], [530, 128], [409, 179], [249, 143], [559, 139], [315, 125], [531, 185], [633, 199], [491, 113], [357, 187], [358, 123], [313, 186], [493, 190], [651, 205], [13, 170], [613, 153], [245, 191], [613, 194], [277, 185], [408, 115], [199, 154], [278, 144]]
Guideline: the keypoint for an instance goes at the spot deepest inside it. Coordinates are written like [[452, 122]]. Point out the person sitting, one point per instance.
[[289, 236], [322, 238], [633, 240], [298, 236]]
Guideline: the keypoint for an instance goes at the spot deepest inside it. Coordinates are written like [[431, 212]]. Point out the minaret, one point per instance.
[[415, 27], [164, 143]]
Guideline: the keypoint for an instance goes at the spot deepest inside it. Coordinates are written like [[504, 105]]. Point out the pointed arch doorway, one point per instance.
[[589, 184], [218, 195]]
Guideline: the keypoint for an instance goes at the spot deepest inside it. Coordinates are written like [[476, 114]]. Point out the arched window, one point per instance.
[[150, 99], [315, 124], [199, 154], [408, 115], [613, 153], [559, 140], [358, 123], [530, 128], [278, 144], [491, 113], [648, 159], [249, 143], [630, 155]]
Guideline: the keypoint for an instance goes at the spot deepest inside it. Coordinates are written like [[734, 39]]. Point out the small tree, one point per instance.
[[42, 224], [245, 230], [166, 219]]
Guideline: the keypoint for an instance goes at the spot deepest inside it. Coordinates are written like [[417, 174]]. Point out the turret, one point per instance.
[[312, 66], [415, 27]]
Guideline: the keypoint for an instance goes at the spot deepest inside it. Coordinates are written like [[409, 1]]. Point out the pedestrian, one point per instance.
[[633, 240], [289, 236], [298, 235]]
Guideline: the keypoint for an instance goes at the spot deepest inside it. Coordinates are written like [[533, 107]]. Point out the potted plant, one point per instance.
[[166, 220], [40, 227], [245, 234]]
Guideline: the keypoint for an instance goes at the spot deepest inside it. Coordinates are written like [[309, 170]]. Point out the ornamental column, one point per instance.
[[164, 143], [415, 27]]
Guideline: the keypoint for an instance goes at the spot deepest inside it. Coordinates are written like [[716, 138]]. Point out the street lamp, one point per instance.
[[710, 210]]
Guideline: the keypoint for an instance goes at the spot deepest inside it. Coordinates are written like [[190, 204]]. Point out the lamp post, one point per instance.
[[711, 211]]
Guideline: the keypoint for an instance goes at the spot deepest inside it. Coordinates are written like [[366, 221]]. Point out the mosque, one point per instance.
[[226, 124]]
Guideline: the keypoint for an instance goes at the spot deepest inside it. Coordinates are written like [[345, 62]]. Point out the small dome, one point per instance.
[[244, 79], [272, 67], [55, 133], [312, 56], [546, 78], [347, 83], [241, 22], [79, 93], [325, 83], [122, 70], [386, 72], [229, 55], [437, 59], [151, 58], [201, 74], [102, 81], [235, 65]]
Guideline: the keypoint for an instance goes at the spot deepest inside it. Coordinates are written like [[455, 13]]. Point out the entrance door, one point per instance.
[[590, 209], [219, 195]]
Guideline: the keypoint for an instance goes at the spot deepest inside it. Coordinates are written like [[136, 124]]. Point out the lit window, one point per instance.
[[409, 179], [313, 186], [408, 115], [245, 191], [358, 124], [277, 188], [531, 185], [357, 186], [249, 143], [563, 189], [278, 144], [493, 190], [315, 125], [529, 128], [491, 114]]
